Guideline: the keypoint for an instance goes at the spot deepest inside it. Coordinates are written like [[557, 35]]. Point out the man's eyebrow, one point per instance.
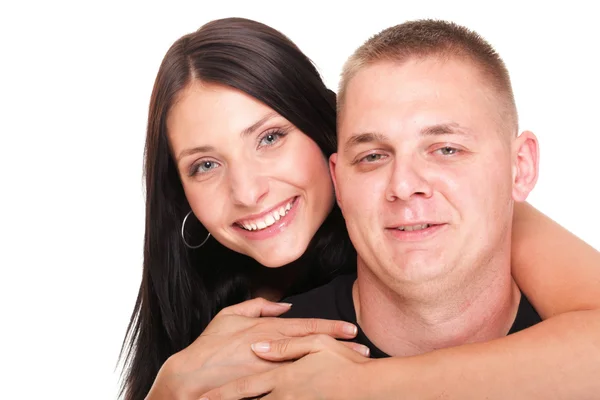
[[444, 129], [249, 130], [361, 138]]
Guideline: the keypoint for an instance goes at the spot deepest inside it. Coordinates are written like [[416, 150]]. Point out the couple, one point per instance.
[[427, 167]]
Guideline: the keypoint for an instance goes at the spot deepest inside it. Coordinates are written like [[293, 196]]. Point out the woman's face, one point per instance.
[[259, 185]]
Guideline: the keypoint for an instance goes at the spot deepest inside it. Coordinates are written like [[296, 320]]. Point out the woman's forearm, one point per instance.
[[556, 359], [557, 271]]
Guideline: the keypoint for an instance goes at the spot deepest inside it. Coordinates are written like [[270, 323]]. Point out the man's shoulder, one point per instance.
[[321, 302]]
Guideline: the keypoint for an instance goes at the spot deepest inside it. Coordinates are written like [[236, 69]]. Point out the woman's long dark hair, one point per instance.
[[183, 289]]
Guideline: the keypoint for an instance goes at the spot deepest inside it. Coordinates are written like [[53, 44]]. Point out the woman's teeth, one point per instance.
[[267, 220]]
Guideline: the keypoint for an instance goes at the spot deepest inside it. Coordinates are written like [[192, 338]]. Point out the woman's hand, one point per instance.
[[555, 359], [325, 369], [222, 353]]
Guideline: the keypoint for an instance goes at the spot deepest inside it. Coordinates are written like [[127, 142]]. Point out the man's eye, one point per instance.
[[448, 151], [372, 157]]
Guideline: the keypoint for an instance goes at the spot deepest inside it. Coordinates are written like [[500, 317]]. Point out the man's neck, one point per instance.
[[421, 318]]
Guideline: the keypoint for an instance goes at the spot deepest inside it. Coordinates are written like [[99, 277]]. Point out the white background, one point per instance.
[[75, 82]]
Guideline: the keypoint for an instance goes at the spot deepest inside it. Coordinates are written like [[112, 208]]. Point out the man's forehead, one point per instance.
[[434, 96]]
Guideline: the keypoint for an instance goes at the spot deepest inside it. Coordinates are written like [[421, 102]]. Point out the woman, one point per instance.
[[240, 127]]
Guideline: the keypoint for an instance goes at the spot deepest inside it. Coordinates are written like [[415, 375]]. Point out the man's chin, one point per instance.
[[418, 266]]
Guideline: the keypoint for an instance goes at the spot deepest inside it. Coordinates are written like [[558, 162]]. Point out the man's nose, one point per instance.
[[407, 180]]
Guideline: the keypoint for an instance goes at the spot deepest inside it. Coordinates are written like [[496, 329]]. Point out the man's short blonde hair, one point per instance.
[[434, 38]]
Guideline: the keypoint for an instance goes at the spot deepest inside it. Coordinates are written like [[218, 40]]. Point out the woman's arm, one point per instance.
[[556, 359], [557, 271]]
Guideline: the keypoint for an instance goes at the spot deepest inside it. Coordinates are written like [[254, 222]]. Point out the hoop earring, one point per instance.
[[183, 236]]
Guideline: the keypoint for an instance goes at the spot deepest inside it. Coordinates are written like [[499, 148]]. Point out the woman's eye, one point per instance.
[[204, 167], [269, 139]]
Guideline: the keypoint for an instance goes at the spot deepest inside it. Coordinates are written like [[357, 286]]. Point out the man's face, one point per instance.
[[425, 172]]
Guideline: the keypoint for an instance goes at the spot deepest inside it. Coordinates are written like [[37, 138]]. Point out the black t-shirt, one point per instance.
[[334, 301]]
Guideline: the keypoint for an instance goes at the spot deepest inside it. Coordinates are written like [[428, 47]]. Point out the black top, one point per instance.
[[334, 301]]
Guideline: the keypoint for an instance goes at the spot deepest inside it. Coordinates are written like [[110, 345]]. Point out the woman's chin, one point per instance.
[[280, 258]]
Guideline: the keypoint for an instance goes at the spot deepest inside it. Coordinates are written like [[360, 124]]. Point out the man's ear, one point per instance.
[[332, 165], [526, 165]]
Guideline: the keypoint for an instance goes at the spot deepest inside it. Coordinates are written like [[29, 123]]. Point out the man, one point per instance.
[[428, 167]]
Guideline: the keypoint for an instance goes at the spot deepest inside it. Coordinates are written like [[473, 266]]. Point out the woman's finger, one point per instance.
[[295, 327], [295, 348], [357, 347], [248, 387], [258, 307]]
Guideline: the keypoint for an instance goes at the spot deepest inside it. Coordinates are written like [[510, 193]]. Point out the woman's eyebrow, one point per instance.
[[249, 130]]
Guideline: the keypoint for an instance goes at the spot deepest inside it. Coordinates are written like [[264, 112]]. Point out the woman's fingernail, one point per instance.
[[365, 351], [285, 304], [261, 347], [349, 329]]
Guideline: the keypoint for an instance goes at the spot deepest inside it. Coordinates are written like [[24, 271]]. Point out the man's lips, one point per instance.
[[414, 226], [415, 232]]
